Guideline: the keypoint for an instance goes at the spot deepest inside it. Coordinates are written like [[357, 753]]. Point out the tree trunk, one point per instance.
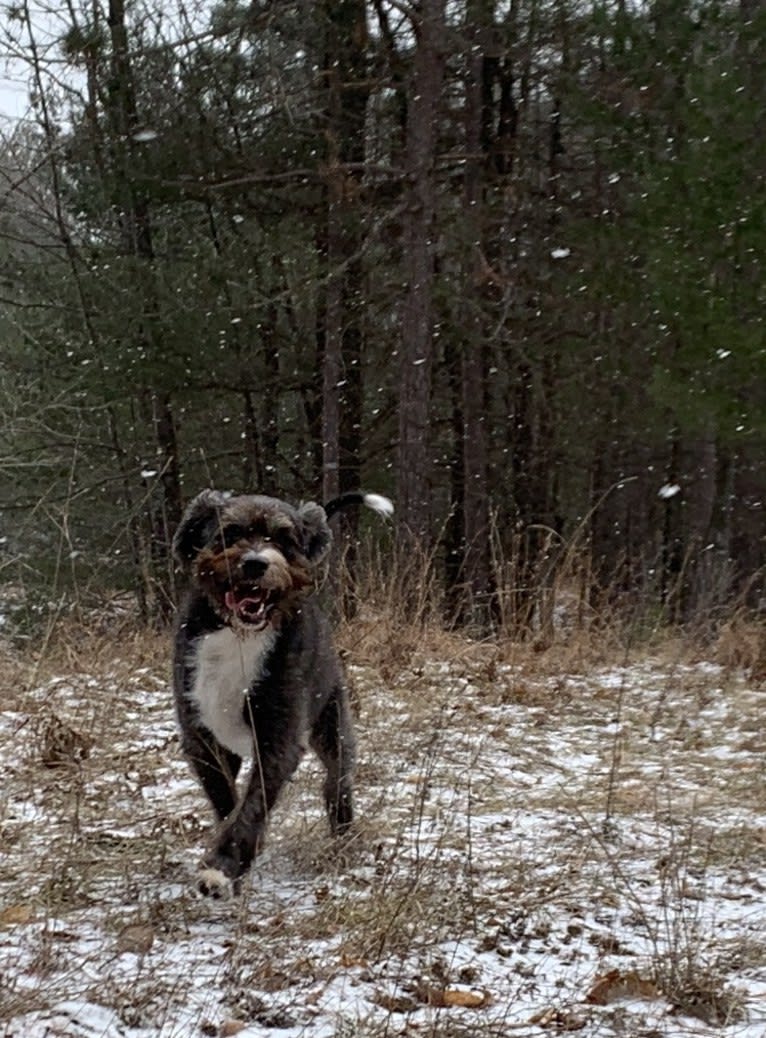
[[133, 214], [454, 530], [347, 92], [477, 565], [413, 463]]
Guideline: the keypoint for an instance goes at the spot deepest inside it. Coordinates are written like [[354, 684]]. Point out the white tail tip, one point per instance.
[[378, 503]]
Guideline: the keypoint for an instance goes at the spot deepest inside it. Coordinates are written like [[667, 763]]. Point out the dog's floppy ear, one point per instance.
[[317, 537], [198, 524]]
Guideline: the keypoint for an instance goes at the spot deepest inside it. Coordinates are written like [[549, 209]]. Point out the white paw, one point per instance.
[[213, 883]]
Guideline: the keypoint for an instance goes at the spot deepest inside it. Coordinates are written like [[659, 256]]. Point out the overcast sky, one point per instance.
[[14, 93], [14, 100], [46, 21]]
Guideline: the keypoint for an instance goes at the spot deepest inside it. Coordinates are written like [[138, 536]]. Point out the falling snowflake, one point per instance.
[[668, 491]]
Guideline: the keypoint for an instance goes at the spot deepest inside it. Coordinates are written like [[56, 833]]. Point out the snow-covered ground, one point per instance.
[[536, 854]]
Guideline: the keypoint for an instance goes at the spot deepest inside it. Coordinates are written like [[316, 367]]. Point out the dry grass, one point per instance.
[[536, 826], [741, 645]]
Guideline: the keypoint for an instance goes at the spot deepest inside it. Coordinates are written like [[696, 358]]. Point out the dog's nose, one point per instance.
[[253, 565]]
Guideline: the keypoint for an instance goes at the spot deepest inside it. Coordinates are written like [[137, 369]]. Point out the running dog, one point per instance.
[[255, 672]]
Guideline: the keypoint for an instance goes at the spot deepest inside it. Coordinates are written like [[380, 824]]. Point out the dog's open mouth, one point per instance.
[[251, 605]]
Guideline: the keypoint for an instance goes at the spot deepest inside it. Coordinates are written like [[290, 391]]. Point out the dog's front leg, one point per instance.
[[240, 837], [215, 767]]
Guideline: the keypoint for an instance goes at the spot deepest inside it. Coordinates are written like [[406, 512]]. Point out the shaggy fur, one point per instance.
[[255, 671]]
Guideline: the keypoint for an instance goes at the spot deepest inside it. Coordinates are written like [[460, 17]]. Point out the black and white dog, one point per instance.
[[255, 672]]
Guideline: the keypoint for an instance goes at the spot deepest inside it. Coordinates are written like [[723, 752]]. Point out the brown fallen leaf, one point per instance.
[[348, 960], [136, 938], [17, 914], [467, 998], [615, 985], [62, 744], [231, 1027], [558, 1019]]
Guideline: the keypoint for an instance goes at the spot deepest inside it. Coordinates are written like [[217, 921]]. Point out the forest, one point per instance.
[[501, 260]]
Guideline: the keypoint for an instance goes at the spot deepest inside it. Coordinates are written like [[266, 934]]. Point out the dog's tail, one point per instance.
[[376, 502]]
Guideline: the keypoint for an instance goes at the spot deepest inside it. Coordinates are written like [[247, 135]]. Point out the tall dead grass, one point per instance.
[[399, 613]]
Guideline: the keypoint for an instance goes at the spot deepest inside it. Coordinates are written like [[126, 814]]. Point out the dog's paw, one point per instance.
[[216, 884]]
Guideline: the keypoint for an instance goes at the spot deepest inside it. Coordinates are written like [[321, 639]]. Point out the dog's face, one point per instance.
[[254, 557]]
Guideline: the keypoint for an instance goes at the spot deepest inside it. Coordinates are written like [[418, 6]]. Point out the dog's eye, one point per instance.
[[231, 534], [283, 539]]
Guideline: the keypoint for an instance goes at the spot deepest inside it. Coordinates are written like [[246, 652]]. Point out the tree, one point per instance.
[[346, 77], [416, 352]]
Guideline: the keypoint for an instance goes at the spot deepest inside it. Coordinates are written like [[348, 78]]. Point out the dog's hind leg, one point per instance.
[[332, 738]]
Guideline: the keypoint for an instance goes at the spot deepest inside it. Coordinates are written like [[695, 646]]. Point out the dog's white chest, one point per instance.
[[225, 666]]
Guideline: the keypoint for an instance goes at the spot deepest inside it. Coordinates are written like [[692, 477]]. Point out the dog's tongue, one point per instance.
[[248, 606]]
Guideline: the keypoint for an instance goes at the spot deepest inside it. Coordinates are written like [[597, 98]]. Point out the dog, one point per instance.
[[255, 674]]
